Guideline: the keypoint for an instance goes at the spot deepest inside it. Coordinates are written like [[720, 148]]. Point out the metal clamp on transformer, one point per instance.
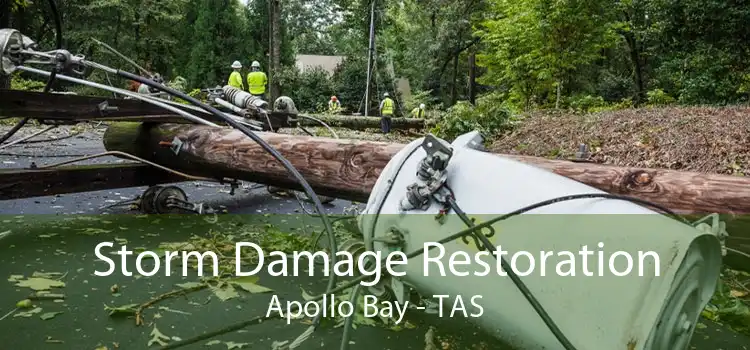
[[431, 175]]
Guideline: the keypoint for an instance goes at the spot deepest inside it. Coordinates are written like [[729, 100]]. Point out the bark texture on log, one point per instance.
[[348, 169], [339, 168], [362, 123]]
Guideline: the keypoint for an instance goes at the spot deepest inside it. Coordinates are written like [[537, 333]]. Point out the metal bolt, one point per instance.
[[685, 323]]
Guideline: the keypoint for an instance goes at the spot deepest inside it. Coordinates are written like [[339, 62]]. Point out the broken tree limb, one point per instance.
[[362, 123], [348, 169]]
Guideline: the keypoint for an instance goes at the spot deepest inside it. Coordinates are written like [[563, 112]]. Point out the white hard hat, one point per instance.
[[255, 64], [421, 106], [385, 94], [236, 64]]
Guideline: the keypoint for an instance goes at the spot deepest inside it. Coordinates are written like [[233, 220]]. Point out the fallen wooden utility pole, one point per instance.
[[25, 183], [348, 169], [362, 123]]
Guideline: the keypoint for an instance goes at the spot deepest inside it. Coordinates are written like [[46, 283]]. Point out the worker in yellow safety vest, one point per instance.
[[235, 79], [418, 112], [386, 113], [257, 80], [334, 105]]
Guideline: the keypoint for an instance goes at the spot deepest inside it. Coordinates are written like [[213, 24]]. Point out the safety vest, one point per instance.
[[417, 112], [235, 80], [256, 82], [387, 107]]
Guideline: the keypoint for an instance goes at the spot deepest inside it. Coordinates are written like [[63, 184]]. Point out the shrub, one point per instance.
[[19, 83], [310, 89], [490, 116], [585, 103], [658, 97]]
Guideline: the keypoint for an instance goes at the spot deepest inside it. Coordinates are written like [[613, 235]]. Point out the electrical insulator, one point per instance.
[[243, 99]]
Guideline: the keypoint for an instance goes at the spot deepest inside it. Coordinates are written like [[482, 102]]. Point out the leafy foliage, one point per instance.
[[490, 116], [729, 304], [312, 88]]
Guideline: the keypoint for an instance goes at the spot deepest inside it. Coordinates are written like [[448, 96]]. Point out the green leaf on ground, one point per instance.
[[15, 278], [90, 231], [232, 345], [29, 313], [49, 315], [50, 275], [129, 309], [24, 304], [189, 285], [225, 291], [213, 342], [36, 283], [248, 283], [158, 337], [177, 246]]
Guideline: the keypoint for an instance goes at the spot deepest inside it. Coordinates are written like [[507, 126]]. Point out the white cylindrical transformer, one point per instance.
[[637, 311], [243, 99]]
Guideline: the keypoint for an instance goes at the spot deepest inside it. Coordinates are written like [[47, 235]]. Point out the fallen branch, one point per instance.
[[174, 293]]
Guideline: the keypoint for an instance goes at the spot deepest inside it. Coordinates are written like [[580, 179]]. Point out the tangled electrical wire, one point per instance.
[[61, 60]]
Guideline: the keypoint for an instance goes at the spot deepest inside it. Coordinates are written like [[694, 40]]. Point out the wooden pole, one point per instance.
[[5, 23], [26, 183], [348, 169], [362, 123]]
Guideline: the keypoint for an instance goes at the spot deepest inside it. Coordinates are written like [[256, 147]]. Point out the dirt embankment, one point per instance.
[[703, 139]]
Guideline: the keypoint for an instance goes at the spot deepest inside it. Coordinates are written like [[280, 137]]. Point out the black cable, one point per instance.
[[14, 130], [273, 152], [548, 321], [474, 229], [25, 120], [48, 86], [388, 190], [58, 24], [349, 321]]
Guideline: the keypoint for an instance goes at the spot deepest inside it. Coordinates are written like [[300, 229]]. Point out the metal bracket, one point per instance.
[[716, 227], [176, 145], [431, 171], [471, 140], [104, 107]]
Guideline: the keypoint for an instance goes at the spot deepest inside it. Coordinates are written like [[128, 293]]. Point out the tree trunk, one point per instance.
[[362, 123], [454, 88], [5, 23], [348, 169], [635, 58], [275, 60], [472, 77]]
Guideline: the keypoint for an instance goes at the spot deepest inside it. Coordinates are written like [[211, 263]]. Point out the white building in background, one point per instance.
[[327, 63]]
